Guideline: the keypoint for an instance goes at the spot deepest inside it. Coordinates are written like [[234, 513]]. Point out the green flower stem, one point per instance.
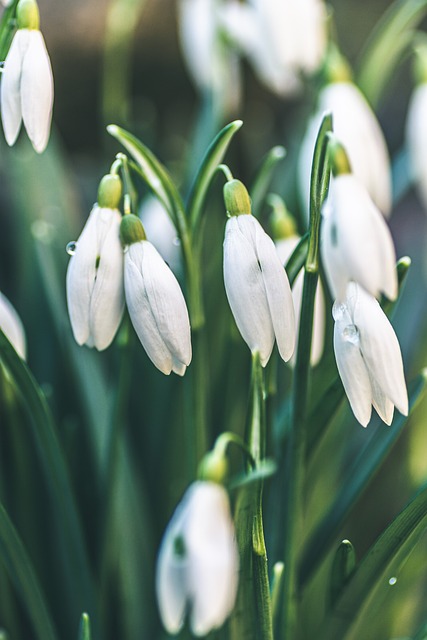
[[196, 403], [7, 28]]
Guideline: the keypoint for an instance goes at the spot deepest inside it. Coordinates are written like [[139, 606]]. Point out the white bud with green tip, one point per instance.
[[95, 293], [255, 281], [155, 301], [27, 81]]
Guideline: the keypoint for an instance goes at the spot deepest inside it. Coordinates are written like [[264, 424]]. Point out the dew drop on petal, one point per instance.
[[351, 334], [71, 248], [392, 581]]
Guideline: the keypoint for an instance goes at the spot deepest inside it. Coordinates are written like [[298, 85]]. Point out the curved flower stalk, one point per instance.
[[197, 567], [368, 357], [416, 138], [27, 81], [255, 281], [95, 294], [356, 243], [212, 64], [285, 247], [281, 39], [11, 325], [155, 301], [357, 127]]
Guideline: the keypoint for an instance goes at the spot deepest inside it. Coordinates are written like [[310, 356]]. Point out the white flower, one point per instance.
[[161, 231], [285, 247], [11, 325], [357, 128], [416, 138], [257, 288], [368, 357], [95, 280], [27, 89], [281, 39], [197, 568], [356, 243], [157, 308]]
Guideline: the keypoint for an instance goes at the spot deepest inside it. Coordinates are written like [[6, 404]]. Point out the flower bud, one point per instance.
[[213, 467], [236, 198], [110, 192], [27, 15], [131, 230]]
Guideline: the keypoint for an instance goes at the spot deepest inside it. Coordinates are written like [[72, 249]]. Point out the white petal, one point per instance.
[[11, 325], [356, 242], [278, 290], [383, 406], [197, 38], [96, 306], [245, 289], [11, 112], [212, 571], [351, 366], [157, 308], [37, 91], [380, 348], [416, 138], [162, 233]]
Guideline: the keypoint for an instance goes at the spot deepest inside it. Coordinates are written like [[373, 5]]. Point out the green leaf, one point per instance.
[[153, 173], [84, 629], [264, 469], [383, 51], [213, 157], [262, 180], [383, 560], [342, 567], [366, 464], [15, 558], [55, 469], [297, 259]]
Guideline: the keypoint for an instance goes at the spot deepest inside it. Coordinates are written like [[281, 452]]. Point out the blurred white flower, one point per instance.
[[27, 89], [95, 293], [197, 567], [161, 231], [11, 325], [368, 357], [285, 247], [257, 288], [157, 308], [212, 64], [357, 128], [281, 39], [416, 138], [356, 243]]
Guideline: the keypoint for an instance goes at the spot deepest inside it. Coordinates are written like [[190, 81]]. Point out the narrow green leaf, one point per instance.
[[262, 180], [84, 629], [297, 259], [213, 157], [421, 633], [54, 467], [7, 28], [384, 49], [342, 567], [153, 172], [15, 558], [366, 464], [383, 560], [264, 469]]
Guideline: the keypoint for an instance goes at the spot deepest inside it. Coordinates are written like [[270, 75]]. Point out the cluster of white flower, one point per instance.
[[102, 274]]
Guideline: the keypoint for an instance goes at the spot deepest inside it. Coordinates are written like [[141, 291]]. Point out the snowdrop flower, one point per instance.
[[281, 39], [27, 82], [197, 567], [357, 127], [356, 243], [212, 64], [155, 302], [285, 248], [368, 357], [255, 281], [95, 293], [11, 325], [159, 228]]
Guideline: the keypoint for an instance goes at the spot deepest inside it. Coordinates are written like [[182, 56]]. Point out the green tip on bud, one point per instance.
[[420, 63], [110, 192], [27, 15], [282, 223], [335, 67], [131, 230], [340, 164], [236, 198], [213, 467]]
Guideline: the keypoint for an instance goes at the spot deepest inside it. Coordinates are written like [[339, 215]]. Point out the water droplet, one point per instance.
[[71, 248], [392, 581], [351, 334], [176, 241]]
